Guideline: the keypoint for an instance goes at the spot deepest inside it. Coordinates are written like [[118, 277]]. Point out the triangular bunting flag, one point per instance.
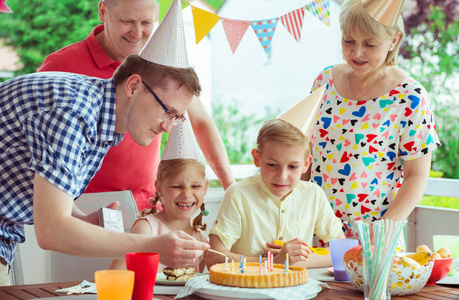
[[204, 21], [293, 22], [185, 4], [4, 8], [234, 30], [265, 29], [320, 9], [164, 6]]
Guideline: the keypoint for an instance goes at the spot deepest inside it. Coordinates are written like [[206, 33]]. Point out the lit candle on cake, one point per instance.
[[260, 259], [245, 262], [240, 266], [261, 269], [226, 262], [232, 266]]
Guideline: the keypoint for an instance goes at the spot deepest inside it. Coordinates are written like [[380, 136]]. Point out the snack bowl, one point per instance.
[[441, 268], [404, 280]]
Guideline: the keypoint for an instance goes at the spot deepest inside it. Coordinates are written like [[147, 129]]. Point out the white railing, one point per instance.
[[422, 224]]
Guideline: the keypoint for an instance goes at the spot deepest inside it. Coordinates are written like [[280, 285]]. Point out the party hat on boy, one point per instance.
[[303, 115], [181, 142], [385, 12], [166, 46]]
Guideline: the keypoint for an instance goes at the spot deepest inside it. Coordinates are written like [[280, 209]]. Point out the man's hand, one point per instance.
[[178, 249]]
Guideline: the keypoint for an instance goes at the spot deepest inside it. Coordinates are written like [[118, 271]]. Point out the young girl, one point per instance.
[[181, 185]]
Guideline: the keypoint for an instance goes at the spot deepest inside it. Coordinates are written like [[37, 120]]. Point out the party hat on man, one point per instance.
[[181, 142], [385, 12], [303, 115], [167, 46]]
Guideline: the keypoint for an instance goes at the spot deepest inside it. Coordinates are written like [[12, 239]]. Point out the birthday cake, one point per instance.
[[252, 278]]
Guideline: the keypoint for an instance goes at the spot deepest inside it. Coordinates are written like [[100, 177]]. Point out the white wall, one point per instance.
[[276, 83]]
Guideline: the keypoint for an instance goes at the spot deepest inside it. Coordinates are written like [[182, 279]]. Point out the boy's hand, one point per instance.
[[273, 247], [297, 251]]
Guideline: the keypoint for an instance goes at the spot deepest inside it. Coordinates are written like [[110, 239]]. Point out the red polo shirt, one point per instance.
[[127, 166]]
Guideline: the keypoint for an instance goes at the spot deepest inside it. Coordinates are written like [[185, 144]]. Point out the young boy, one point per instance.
[[275, 205]]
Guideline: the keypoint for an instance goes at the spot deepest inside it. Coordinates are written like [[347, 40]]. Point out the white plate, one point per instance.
[[161, 280], [449, 280], [235, 295]]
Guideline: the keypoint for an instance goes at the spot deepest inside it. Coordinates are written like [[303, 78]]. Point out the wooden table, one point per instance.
[[340, 290]]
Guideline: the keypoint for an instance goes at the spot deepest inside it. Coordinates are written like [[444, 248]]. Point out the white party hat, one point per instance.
[[303, 115], [166, 46], [181, 142], [385, 12]]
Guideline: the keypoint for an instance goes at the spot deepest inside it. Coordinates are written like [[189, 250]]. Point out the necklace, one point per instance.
[[367, 92]]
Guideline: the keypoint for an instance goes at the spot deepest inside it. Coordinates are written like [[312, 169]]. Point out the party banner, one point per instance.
[[204, 21], [293, 22], [320, 9], [164, 6], [265, 29], [234, 30]]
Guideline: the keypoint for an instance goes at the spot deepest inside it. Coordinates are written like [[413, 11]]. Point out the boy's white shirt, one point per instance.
[[250, 216]]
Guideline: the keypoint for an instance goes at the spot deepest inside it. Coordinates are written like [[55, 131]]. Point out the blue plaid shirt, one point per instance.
[[59, 125]]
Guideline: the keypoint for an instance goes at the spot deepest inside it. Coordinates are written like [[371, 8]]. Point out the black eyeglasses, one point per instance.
[[168, 114]]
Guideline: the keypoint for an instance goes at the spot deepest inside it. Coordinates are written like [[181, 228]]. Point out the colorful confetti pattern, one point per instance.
[[359, 146]]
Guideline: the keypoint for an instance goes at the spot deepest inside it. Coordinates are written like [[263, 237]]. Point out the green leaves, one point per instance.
[[40, 27]]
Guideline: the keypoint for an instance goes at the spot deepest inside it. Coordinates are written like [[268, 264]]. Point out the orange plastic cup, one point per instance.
[[114, 284]]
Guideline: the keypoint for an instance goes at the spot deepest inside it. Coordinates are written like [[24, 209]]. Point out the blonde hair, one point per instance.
[[167, 170], [354, 19], [277, 130]]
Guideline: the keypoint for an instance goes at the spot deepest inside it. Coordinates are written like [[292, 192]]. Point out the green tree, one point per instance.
[[37, 28], [431, 54], [238, 130]]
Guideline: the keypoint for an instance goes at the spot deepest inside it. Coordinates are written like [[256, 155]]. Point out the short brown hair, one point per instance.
[[156, 75], [354, 19], [278, 130], [167, 170]]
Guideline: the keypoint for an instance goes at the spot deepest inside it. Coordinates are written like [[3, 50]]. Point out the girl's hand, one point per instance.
[[297, 251]]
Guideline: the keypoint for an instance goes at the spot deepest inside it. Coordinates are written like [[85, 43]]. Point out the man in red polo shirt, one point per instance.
[[127, 25]]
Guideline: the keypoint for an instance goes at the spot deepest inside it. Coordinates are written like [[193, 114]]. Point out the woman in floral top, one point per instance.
[[375, 132]]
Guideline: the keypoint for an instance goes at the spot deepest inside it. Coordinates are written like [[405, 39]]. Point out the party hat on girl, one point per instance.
[[385, 12], [167, 45], [303, 115], [181, 142]]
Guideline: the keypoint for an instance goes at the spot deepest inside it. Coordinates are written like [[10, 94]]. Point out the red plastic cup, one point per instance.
[[145, 267]]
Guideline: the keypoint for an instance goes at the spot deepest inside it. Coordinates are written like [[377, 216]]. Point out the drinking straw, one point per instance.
[[376, 263], [393, 234]]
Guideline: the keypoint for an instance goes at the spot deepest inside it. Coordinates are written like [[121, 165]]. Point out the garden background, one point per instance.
[[430, 53]]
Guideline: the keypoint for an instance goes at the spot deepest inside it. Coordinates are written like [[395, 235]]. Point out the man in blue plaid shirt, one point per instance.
[[55, 129]]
